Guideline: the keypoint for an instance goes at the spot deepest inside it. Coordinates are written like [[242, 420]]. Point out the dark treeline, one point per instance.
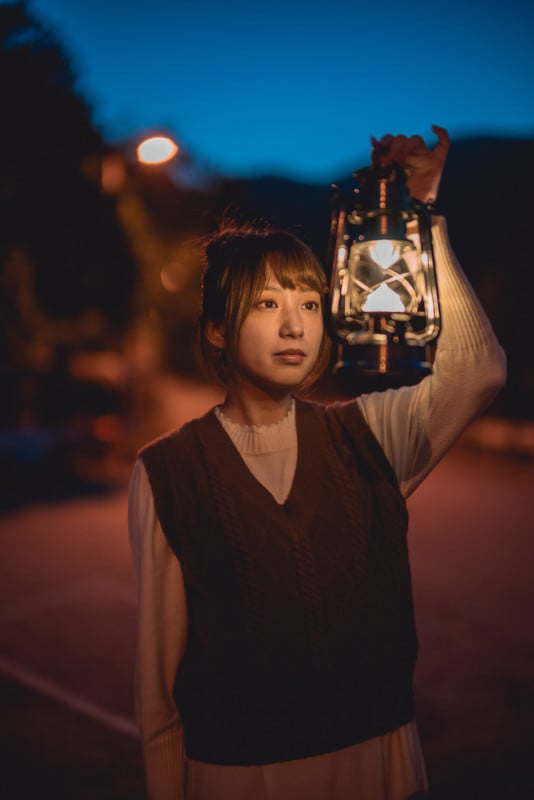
[[51, 206], [66, 271]]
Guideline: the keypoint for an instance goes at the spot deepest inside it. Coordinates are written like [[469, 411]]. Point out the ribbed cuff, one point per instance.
[[164, 766]]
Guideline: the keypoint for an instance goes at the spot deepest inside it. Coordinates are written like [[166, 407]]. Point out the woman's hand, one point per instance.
[[423, 166]]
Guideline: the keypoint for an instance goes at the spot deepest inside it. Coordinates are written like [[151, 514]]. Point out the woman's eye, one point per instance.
[[312, 305], [267, 304]]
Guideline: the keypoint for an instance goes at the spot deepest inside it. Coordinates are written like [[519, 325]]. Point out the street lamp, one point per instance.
[[156, 150], [384, 302]]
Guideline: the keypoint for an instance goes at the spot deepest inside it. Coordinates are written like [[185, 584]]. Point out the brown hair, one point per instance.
[[238, 258]]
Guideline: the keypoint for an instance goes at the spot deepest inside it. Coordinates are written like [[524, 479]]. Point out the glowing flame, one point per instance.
[[383, 299], [156, 150], [384, 253]]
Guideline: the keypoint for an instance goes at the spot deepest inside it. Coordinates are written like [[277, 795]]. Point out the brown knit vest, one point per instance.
[[301, 632]]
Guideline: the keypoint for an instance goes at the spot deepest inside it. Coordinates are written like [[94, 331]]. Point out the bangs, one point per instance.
[[294, 267]]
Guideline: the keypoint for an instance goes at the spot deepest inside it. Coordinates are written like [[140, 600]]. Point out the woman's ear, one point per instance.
[[215, 334]]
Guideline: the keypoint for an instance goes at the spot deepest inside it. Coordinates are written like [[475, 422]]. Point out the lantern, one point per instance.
[[384, 308]]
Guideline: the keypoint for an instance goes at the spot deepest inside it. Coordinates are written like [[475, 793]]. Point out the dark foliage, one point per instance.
[[50, 202]]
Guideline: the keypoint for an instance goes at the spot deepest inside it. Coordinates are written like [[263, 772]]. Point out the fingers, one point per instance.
[[422, 164], [443, 139], [412, 151], [390, 149], [441, 133], [384, 141], [380, 150], [415, 144]]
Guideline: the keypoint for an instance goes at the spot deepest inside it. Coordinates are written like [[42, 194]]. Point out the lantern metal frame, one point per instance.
[[376, 214]]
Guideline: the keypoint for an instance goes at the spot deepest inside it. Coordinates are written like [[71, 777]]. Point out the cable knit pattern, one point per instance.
[[277, 614], [230, 519]]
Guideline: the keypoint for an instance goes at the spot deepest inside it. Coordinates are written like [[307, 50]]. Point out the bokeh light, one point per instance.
[[156, 150]]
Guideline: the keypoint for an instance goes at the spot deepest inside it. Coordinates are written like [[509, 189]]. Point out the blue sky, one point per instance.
[[297, 88]]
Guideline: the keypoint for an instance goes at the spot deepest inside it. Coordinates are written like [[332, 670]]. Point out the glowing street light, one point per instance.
[[156, 150]]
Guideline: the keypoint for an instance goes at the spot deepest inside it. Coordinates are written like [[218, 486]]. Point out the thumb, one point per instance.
[[443, 144]]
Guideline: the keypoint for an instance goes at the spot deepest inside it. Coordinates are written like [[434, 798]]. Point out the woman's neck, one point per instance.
[[245, 409]]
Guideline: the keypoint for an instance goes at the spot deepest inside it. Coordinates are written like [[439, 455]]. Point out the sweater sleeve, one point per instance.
[[161, 641], [416, 425]]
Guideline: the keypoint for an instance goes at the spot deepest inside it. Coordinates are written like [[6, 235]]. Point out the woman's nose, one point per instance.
[[291, 325]]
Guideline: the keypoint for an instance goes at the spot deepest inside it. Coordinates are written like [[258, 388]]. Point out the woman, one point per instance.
[[276, 640]]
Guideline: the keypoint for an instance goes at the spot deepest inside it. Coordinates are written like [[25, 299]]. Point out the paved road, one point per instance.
[[67, 638]]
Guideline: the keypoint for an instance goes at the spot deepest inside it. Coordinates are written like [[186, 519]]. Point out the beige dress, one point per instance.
[[415, 427]]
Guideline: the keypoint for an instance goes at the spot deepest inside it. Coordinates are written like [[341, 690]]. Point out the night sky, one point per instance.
[[297, 88]]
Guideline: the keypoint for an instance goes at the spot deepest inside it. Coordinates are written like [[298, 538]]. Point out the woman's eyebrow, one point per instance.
[[270, 288], [278, 288]]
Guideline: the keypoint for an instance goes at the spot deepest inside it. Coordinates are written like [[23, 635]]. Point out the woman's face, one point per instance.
[[280, 337]]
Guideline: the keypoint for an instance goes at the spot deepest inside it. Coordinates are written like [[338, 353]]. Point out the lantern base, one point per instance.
[[363, 368]]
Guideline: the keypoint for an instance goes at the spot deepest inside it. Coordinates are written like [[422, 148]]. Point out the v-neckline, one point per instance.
[[303, 453]]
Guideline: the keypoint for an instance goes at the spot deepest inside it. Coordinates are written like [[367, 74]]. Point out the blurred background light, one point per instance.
[[156, 150]]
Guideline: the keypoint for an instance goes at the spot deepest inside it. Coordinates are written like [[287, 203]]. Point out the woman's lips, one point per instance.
[[290, 356]]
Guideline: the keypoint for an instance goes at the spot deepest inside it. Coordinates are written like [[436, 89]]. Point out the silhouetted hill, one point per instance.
[[487, 198]]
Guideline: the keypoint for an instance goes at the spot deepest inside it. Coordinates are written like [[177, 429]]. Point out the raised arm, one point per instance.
[[161, 641], [417, 425]]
